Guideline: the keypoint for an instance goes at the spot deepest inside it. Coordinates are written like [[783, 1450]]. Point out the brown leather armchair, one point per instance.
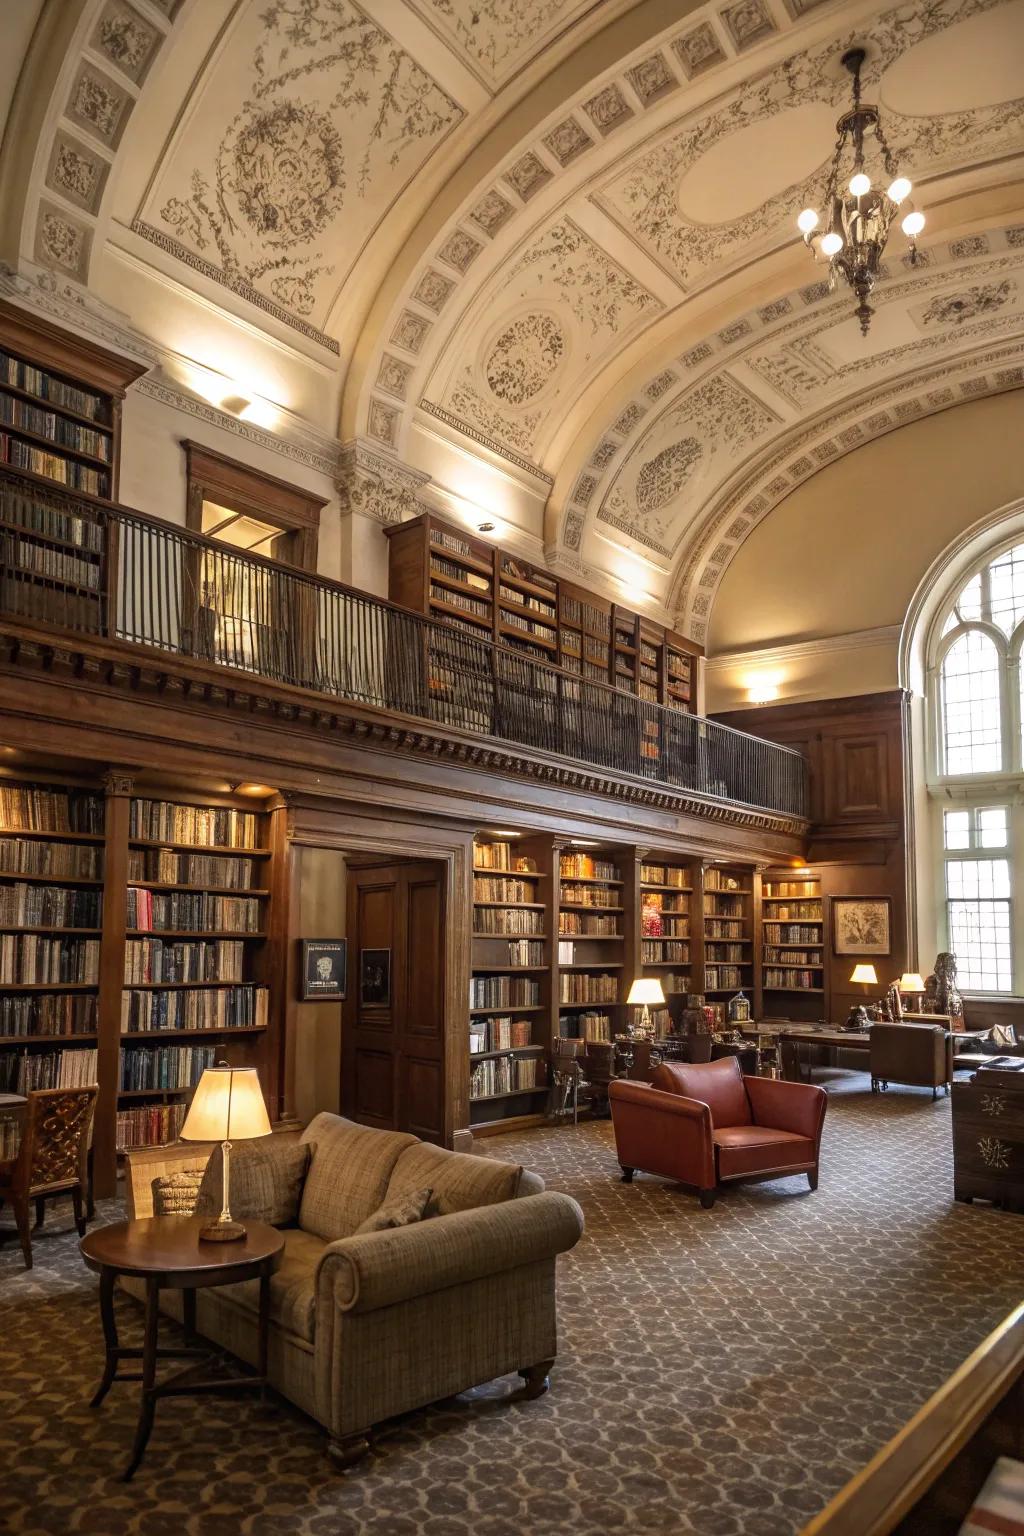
[[706, 1125], [920, 1055]]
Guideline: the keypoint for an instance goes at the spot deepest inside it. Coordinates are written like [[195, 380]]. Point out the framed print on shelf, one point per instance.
[[862, 925], [375, 978], [324, 970]]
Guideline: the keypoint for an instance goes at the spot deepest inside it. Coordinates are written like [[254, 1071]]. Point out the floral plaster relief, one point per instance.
[[497, 37], [308, 125]]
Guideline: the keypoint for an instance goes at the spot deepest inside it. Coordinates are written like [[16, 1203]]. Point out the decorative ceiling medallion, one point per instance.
[[956, 309], [664, 476], [524, 359]]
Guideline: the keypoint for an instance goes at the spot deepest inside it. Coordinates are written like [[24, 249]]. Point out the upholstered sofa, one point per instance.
[[920, 1055], [366, 1327]]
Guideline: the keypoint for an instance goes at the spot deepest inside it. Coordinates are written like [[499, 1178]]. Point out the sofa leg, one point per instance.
[[346, 1450], [627, 1173], [812, 1178], [707, 1198], [935, 1094], [535, 1379]]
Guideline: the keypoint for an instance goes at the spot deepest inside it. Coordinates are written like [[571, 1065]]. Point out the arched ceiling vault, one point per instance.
[[542, 249]]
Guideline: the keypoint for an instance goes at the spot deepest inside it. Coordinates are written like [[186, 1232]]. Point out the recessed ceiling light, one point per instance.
[[485, 527]]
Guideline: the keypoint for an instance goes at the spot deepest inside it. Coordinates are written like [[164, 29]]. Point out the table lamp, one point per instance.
[[228, 1106], [645, 991], [865, 976], [912, 985]]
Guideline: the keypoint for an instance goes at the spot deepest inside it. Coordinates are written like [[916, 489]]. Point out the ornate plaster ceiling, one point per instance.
[[550, 236]]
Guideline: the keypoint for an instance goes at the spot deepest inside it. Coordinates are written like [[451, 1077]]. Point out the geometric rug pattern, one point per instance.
[[720, 1372]]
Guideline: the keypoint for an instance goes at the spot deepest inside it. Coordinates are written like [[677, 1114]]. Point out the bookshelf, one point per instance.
[[665, 894], [51, 900], [60, 403], [729, 953], [510, 983], [793, 953], [592, 944], [584, 632]]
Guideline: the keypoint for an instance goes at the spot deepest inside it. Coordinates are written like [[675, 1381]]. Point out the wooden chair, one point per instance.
[[52, 1158]]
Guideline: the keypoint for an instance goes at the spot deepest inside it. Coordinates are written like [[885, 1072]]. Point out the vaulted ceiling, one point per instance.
[[545, 248]]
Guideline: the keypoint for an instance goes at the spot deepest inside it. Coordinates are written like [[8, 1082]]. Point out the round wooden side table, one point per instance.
[[167, 1251]]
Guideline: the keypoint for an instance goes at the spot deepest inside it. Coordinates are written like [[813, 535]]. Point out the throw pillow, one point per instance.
[[177, 1194], [401, 1212], [266, 1180]]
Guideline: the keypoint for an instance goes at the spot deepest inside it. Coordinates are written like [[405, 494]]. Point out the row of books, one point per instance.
[[35, 381], [44, 560], [156, 1125], [526, 600], [801, 889], [492, 855], [498, 1034], [721, 978], [652, 954], [589, 896], [791, 933], [163, 1066], [69, 472], [192, 911], [67, 861], [49, 1013], [161, 821], [662, 901], [583, 924], [241, 1007], [520, 571], [718, 880], [31, 960], [37, 517], [583, 866], [487, 888], [675, 981], [449, 541], [728, 928], [49, 906], [588, 987], [790, 956], [723, 906], [528, 626], [49, 810], [439, 566], [663, 925], [789, 979], [504, 992], [504, 1074], [44, 423], [22, 1072], [524, 952], [733, 952], [586, 1026], [490, 920], [790, 910], [199, 960], [585, 615], [167, 867], [460, 600]]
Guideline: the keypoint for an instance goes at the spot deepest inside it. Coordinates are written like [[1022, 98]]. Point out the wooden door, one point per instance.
[[392, 1053]]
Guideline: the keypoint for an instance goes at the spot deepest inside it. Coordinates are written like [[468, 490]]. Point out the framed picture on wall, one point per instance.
[[324, 970], [375, 978], [862, 925]]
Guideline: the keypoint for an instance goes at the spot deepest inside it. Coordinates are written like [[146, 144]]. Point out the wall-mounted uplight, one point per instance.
[[502, 832], [584, 842], [254, 791], [763, 687]]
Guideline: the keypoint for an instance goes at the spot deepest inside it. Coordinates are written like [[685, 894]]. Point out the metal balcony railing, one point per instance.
[[80, 564]]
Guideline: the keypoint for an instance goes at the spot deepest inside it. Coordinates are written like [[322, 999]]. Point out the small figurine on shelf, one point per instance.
[[941, 992], [739, 1009]]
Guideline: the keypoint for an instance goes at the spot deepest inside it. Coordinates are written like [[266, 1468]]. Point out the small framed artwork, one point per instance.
[[862, 925], [324, 969], [375, 978]]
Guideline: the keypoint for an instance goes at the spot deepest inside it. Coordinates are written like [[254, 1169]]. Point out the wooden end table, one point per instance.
[[167, 1251]]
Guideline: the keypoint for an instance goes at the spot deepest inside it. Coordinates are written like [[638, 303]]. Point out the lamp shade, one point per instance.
[[228, 1106], [865, 974], [911, 982], [646, 989]]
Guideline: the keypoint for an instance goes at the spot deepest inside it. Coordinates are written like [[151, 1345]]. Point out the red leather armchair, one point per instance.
[[706, 1125]]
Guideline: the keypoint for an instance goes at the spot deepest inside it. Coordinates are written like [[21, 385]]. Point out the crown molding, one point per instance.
[[853, 640]]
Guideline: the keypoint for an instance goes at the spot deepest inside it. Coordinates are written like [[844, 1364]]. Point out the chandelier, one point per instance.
[[857, 219]]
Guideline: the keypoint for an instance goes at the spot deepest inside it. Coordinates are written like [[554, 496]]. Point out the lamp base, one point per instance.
[[221, 1232]]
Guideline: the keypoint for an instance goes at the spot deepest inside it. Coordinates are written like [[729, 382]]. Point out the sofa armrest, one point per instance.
[[378, 1269], [622, 1091], [663, 1133], [796, 1107]]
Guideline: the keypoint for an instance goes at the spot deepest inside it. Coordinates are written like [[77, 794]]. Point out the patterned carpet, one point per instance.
[[721, 1372]]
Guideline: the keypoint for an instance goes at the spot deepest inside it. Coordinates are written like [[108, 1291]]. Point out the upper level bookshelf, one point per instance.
[[441, 570], [60, 403]]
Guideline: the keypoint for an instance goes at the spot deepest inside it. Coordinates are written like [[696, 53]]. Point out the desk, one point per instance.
[[794, 1036]]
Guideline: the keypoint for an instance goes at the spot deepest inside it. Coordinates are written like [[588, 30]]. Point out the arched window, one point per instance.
[[976, 763]]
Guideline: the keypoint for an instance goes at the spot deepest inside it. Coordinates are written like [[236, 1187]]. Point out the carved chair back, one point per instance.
[[55, 1141]]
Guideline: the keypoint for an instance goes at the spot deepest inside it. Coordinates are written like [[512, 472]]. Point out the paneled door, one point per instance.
[[392, 1052]]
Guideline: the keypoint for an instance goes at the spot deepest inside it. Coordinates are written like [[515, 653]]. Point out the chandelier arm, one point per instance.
[[888, 158]]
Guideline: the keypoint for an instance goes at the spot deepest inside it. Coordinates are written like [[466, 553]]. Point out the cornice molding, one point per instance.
[[853, 640], [374, 485], [128, 669]]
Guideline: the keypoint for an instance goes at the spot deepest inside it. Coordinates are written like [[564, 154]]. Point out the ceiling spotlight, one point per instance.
[[485, 527]]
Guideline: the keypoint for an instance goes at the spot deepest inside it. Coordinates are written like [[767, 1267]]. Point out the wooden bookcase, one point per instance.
[[174, 966], [593, 945], [729, 937], [794, 955], [439, 569], [665, 894]]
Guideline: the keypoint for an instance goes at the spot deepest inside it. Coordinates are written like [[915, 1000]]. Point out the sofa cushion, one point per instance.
[[460, 1181], [266, 1180], [746, 1149], [400, 1212], [718, 1084], [292, 1286], [348, 1176], [177, 1194]]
